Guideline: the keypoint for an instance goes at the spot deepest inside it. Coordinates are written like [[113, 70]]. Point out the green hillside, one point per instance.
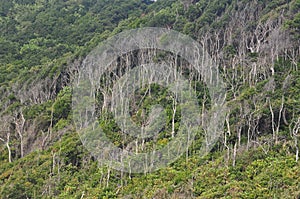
[[255, 46]]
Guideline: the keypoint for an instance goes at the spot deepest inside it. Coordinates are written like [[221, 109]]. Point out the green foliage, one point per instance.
[[39, 39], [164, 18], [62, 105], [5, 7]]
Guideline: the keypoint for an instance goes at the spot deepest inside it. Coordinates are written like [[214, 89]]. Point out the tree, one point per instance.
[[19, 122], [5, 129]]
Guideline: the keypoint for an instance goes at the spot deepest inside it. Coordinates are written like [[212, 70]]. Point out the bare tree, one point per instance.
[[5, 129], [226, 134], [294, 132], [7, 145], [19, 121]]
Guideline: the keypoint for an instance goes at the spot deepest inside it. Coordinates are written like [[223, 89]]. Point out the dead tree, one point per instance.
[[5, 128], [294, 130], [19, 122]]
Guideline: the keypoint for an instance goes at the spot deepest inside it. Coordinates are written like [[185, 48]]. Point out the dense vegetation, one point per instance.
[[256, 47]]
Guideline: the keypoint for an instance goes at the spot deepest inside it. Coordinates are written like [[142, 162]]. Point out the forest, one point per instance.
[[255, 47]]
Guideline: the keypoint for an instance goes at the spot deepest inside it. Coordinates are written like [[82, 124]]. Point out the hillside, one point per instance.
[[254, 45]]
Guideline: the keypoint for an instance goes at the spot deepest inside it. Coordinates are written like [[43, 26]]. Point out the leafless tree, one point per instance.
[[5, 130], [19, 122], [294, 131]]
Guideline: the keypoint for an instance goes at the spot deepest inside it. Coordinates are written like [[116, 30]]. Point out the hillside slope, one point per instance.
[[255, 45]]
